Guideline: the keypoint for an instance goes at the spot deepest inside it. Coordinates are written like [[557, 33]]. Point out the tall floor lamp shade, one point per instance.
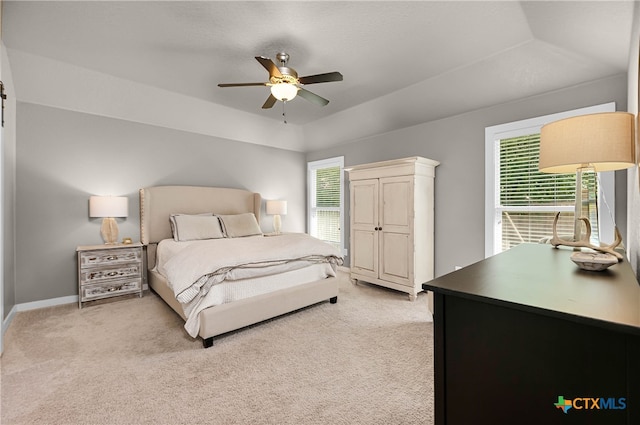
[[593, 142], [108, 207], [277, 208]]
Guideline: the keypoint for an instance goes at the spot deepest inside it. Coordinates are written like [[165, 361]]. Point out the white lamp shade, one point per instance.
[[284, 91], [108, 206], [277, 207], [605, 141]]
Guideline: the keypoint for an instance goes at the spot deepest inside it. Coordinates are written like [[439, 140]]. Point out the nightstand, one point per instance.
[[106, 271]]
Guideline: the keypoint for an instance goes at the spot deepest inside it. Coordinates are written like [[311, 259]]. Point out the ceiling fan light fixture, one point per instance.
[[284, 91]]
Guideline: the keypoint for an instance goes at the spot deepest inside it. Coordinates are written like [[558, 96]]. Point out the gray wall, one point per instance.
[[64, 157], [458, 143], [633, 199], [8, 217], [8, 187]]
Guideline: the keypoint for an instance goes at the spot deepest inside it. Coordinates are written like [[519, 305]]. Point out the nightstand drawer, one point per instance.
[[110, 257], [93, 275], [110, 288]]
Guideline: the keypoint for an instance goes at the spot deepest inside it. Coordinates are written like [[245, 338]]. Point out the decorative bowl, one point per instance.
[[593, 261]]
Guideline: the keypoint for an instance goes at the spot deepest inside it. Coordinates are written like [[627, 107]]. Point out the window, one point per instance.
[[530, 199], [325, 182], [521, 202]]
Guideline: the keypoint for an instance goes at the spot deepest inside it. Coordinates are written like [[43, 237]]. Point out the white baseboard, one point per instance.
[[7, 321], [47, 303]]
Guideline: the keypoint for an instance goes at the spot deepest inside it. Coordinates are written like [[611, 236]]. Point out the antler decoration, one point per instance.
[[584, 242]]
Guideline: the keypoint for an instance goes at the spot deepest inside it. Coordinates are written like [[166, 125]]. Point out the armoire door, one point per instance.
[[364, 225], [395, 229]]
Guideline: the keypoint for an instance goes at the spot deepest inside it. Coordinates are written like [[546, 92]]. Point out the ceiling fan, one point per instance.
[[285, 83]]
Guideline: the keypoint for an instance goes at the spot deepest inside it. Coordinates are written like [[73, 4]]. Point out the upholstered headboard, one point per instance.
[[159, 202]]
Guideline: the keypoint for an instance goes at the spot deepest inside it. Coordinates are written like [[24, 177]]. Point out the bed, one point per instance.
[[224, 299]]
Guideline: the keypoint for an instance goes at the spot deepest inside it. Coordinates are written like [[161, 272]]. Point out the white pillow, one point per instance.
[[238, 225], [187, 227]]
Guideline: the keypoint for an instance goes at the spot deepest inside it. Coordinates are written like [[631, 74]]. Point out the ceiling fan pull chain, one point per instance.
[[284, 113]]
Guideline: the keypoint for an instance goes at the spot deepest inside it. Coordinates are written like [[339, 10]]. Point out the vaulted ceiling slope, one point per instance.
[[403, 63]]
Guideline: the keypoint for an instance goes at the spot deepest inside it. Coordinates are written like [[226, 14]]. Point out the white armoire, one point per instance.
[[391, 218]]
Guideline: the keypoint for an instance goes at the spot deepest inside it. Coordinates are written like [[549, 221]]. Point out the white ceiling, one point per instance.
[[403, 62]]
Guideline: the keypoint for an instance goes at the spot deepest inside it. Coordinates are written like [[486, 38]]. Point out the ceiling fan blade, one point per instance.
[[321, 78], [269, 66], [271, 100], [312, 97], [241, 84]]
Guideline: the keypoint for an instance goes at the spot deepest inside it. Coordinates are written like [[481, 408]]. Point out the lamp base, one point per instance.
[[109, 230], [277, 224], [586, 203]]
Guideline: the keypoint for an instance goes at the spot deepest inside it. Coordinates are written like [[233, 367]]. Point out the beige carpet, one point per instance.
[[366, 360]]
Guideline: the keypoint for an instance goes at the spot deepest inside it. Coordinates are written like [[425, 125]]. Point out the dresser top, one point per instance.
[[111, 246], [543, 279]]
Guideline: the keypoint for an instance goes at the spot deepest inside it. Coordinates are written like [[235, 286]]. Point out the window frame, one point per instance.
[[493, 211], [311, 189]]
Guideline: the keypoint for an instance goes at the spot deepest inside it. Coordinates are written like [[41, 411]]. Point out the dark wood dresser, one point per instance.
[[524, 333]]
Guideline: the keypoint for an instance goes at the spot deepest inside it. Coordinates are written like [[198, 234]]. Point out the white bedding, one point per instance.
[[210, 272]]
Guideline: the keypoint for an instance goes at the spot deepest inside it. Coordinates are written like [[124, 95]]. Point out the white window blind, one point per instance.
[[521, 202], [325, 200], [530, 199]]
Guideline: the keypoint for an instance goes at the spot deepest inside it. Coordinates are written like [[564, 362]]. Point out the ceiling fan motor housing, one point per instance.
[[289, 75]]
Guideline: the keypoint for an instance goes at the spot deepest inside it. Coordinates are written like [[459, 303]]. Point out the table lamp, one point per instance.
[[587, 143], [277, 208], [108, 207]]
